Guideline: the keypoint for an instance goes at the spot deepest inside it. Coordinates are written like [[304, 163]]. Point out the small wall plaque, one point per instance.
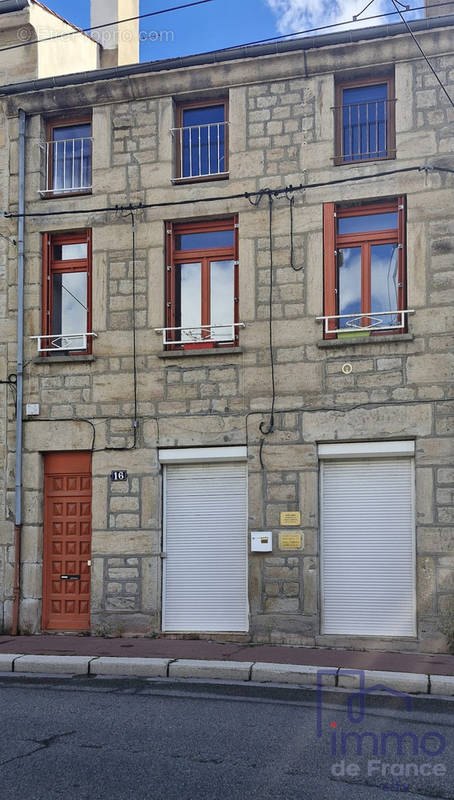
[[119, 475], [290, 518], [291, 541]]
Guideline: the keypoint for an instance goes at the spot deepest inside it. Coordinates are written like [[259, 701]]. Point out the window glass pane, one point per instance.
[[367, 222], [364, 122], [384, 278], [349, 281], [365, 94], [72, 131], [222, 299], [202, 141], [71, 157], [69, 252], [209, 239], [69, 308], [203, 115], [189, 302]]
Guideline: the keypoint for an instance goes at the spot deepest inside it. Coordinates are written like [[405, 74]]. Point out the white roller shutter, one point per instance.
[[368, 547], [205, 540]]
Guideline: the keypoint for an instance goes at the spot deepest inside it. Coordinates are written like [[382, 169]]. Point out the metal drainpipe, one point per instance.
[[19, 372]]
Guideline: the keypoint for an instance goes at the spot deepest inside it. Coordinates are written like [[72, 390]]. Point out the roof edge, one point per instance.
[[8, 6], [230, 54]]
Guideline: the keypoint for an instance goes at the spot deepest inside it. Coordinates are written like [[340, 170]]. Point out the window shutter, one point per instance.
[[205, 568], [368, 562]]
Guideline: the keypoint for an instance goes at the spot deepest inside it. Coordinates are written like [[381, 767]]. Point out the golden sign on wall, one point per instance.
[[290, 518], [290, 541]]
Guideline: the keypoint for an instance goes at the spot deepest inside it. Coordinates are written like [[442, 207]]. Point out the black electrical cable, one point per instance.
[[240, 196], [357, 16], [134, 335], [104, 25], [8, 239], [70, 419], [433, 70], [269, 428], [276, 38], [134, 322], [291, 200]]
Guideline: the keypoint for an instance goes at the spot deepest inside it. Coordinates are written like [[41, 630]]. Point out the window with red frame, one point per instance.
[[364, 268], [202, 284], [67, 293]]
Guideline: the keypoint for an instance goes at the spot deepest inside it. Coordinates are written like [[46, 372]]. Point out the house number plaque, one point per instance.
[[119, 475]]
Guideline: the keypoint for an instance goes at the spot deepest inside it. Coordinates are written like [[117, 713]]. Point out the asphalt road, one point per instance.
[[147, 740]]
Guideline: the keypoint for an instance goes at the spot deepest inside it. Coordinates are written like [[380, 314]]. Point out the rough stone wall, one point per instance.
[[281, 132]]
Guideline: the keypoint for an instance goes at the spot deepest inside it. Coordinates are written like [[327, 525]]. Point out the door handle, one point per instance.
[[70, 577]]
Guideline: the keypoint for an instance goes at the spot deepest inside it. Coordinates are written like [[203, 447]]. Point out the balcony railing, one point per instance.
[[201, 333], [55, 343], [201, 150], [365, 130], [370, 321], [68, 166]]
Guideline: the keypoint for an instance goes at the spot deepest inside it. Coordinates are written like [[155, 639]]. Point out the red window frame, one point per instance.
[[180, 109], [339, 157], [53, 267], [204, 256], [333, 241], [65, 122]]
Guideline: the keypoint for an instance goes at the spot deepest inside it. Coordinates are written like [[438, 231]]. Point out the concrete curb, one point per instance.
[[53, 665], [222, 670], [263, 672], [249, 671], [134, 667]]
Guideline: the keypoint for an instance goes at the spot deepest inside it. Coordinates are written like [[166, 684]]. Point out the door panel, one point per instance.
[[368, 547], [67, 541], [205, 569]]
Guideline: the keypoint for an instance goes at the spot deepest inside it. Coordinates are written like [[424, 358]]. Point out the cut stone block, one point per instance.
[[224, 670], [140, 667]]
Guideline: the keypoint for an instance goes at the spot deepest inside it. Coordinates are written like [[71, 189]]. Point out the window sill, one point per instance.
[[219, 176], [367, 340], [62, 359], [339, 160], [212, 351], [49, 195]]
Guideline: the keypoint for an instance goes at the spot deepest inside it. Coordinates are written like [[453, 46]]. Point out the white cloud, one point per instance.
[[296, 15]]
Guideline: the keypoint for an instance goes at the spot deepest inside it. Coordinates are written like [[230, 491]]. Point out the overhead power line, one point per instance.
[[276, 192], [105, 25], [279, 37], [433, 70]]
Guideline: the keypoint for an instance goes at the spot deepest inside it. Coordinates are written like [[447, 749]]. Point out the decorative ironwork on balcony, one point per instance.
[[369, 321], [57, 343], [201, 334], [68, 166], [201, 150], [365, 130]]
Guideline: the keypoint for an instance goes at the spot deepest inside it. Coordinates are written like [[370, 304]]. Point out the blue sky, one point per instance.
[[223, 23]]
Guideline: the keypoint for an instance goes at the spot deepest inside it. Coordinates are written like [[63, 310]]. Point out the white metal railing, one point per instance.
[[200, 333], [63, 341], [201, 150], [376, 321], [68, 165], [365, 129]]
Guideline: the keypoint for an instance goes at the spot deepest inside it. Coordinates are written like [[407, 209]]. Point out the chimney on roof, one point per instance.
[[120, 42], [434, 9]]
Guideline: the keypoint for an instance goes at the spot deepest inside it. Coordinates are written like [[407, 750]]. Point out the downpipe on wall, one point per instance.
[[19, 373]]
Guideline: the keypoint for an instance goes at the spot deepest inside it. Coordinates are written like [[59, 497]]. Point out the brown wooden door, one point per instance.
[[67, 541]]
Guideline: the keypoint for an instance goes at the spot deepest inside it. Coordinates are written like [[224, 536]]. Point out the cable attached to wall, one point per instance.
[[291, 200], [266, 429], [130, 213]]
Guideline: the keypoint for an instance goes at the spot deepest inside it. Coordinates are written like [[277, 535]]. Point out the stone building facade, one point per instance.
[[189, 428]]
